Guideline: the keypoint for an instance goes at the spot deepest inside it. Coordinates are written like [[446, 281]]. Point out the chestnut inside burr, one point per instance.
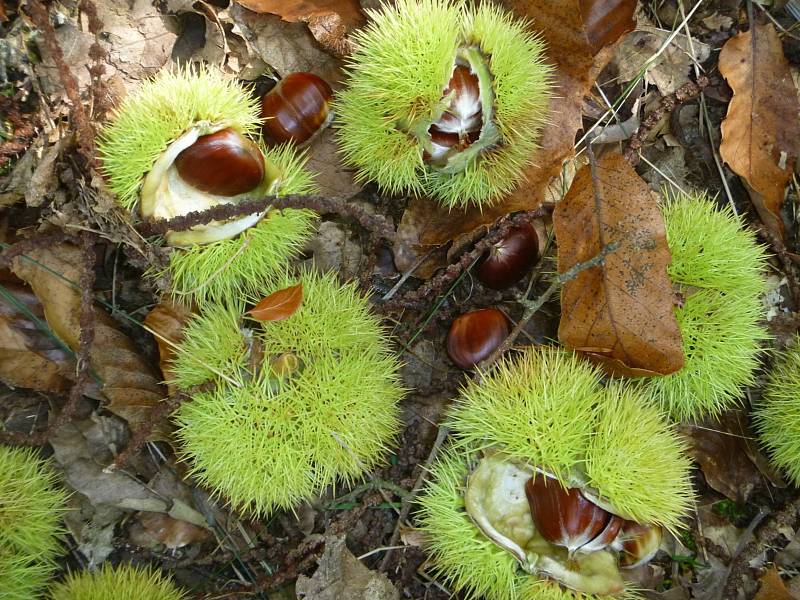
[[556, 532], [223, 163], [460, 123]]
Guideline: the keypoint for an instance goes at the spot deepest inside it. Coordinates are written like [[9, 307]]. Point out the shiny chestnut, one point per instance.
[[473, 336], [224, 163], [509, 259], [637, 543], [296, 108], [565, 517], [460, 123]]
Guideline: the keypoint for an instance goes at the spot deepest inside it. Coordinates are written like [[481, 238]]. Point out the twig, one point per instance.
[[83, 126], [434, 286], [533, 306], [405, 509], [378, 225], [82, 355], [688, 91], [9, 252], [145, 428], [766, 532]]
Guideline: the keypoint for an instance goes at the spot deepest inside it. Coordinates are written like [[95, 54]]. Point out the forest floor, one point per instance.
[[742, 540]]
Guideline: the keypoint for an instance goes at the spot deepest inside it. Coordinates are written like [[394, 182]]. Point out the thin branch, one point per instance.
[[437, 284], [378, 225], [533, 306], [408, 500], [688, 91]]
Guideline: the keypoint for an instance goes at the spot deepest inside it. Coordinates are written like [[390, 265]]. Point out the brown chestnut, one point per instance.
[[510, 258], [460, 124], [638, 543], [473, 336], [296, 108], [565, 517], [224, 163]]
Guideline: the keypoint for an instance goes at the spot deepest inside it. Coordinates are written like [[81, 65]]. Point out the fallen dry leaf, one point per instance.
[[761, 132], [672, 68], [341, 576], [772, 587], [728, 457], [153, 528], [620, 313], [279, 305], [128, 382], [29, 357], [166, 321], [577, 33], [330, 21]]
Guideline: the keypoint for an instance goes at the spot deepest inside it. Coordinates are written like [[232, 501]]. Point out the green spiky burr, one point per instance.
[[444, 99], [31, 507], [266, 439], [120, 583], [617, 448], [140, 148], [718, 268], [777, 415]]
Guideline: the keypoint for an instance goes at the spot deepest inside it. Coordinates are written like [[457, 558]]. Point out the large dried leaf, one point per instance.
[[729, 456], [128, 382], [575, 32], [278, 305], [29, 356], [761, 132], [621, 313], [328, 20], [341, 576], [166, 321]]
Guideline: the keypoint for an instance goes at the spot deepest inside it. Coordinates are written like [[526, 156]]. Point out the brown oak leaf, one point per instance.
[[329, 21], [620, 313], [128, 381], [761, 132]]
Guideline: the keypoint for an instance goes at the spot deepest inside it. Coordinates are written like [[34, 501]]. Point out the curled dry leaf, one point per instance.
[[29, 357], [279, 305], [166, 321], [729, 457], [341, 576], [328, 20], [772, 587], [620, 313], [577, 34], [153, 528], [128, 382], [761, 132]]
